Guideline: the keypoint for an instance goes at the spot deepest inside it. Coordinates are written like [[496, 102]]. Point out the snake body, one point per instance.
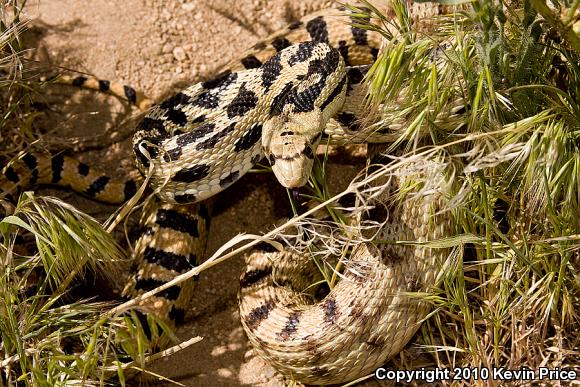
[[370, 314], [276, 107], [187, 136], [277, 100]]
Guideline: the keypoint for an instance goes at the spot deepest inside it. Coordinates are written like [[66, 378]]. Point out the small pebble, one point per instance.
[[188, 6], [179, 53], [167, 48]]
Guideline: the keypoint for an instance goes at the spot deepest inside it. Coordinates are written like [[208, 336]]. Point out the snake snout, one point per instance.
[[292, 158], [290, 146]]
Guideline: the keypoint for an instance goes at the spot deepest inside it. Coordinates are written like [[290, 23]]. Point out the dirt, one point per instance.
[[160, 46]]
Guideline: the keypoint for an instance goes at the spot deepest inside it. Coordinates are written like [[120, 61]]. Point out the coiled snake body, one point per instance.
[[275, 101]]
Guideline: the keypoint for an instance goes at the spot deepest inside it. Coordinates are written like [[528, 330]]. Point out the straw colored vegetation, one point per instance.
[[508, 295]]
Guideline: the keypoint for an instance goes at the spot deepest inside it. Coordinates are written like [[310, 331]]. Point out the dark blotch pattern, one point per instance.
[[175, 100], [357, 313], [167, 260], [57, 165], [207, 100], [271, 71], [221, 81], [375, 342], [343, 50], [198, 119], [303, 52], [104, 85], [195, 134], [335, 93], [317, 29], [461, 110], [304, 101], [414, 284], [259, 314], [173, 113], [32, 164], [280, 43], [189, 175], [177, 221], [147, 284], [242, 103], [178, 117], [172, 155], [213, 140], [149, 124], [251, 62], [33, 177], [97, 186], [11, 175], [249, 139], [79, 81], [83, 169], [290, 328], [30, 161], [130, 93], [255, 276], [11, 199], [278, 100], [130, 189], [359, 35], [144, 323], [176, 315]]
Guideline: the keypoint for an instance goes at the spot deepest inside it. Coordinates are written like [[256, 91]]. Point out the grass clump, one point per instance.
[[494, 87]]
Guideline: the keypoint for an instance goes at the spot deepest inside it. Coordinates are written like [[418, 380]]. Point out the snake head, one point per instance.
[[290, 143]]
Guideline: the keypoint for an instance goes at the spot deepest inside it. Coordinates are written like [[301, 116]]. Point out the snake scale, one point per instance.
[[276, 101]]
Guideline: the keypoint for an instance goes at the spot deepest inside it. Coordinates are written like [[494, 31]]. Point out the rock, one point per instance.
[[167, 48], [179, 54], [165, 15], [188, 6]]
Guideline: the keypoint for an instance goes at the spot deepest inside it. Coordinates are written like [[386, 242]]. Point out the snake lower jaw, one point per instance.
[[292, 158], [292, 173]]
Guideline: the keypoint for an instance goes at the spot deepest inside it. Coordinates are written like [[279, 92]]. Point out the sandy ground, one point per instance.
[[159, 46]]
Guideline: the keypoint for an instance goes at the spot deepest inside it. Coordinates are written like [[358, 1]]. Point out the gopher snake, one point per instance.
[[183, 141]]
